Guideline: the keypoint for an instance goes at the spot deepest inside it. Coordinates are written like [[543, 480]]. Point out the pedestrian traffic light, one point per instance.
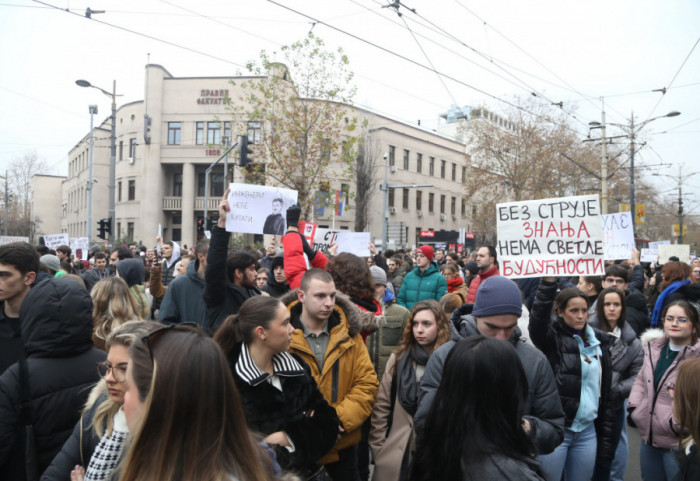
[[200, 226], [244, 152]]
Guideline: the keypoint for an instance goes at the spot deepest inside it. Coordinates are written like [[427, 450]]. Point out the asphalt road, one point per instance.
[[633, 440]]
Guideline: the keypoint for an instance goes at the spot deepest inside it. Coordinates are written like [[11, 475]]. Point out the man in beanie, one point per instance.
[[495, 314], [277, 285], [423, 282]]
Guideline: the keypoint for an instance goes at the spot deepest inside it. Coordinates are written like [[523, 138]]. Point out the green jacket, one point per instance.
[[420, 286]]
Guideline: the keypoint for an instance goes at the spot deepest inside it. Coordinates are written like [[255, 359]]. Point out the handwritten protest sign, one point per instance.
[[354, 242], [308, 230], [618, 236], [550, 237], [54, 240], [324, 238], [681, 251], [9, 239], [80, 247], [649, 255], [258, 209]]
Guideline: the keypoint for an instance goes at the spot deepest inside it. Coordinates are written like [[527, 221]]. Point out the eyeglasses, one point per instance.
[[150, 340], [670, 319], [118, 371]]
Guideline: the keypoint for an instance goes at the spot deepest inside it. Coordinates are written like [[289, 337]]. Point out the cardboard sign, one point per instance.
[[618, 236], [9, 239], [354, 242], [258, 209], [308, 230], [324, 238], [649, 255], [550, 237], [681, 251], [80, 247], [54, 240]]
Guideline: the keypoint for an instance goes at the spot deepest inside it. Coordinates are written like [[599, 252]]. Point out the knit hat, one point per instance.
[[277, 261], [498, 295], [51, 261], [293, 215], [472, 267], [378, 275], [427, 251]]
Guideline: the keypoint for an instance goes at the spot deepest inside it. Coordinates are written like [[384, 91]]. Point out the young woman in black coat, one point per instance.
[[280, 397]]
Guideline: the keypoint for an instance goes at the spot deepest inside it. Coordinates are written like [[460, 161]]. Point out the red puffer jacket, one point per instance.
[[295, 264]]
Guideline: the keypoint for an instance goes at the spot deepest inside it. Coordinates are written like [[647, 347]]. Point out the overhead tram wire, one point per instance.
[[418, 64]]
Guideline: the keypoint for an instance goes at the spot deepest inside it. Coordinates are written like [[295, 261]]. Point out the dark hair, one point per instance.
[[278, 199], [255, 311], [397, 260], [123, 253], [315, 273], [600, 308], [239, 260], [20, 255], [64, 249], [201, 247], [465, 424], [42, 250], [597, 282], [492, 253], [100, 255], [453, 268], [618, 270], [351, 275], [563, 298], [690, 311]]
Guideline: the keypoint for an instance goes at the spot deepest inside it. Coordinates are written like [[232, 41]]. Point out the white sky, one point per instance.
[[575, 52]]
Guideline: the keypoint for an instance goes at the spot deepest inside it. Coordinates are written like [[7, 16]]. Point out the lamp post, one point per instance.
[[603, 162], [93, 111], [112, 154]]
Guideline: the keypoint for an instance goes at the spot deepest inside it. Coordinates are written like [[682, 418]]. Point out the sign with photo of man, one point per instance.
[[259, 209]]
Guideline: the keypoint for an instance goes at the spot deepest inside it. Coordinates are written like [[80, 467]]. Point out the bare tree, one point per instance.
[[19, 180], [368, 155]]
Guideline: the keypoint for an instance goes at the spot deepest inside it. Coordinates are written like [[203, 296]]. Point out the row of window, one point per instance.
[[131, 192], [216, 184], [431, 201], [419, 164], [212, 132], [132, 149]]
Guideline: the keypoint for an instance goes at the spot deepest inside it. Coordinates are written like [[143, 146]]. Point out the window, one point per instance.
[[119, 191], [326, 148], [431, 167], [405, 199], [132, 148], [254, 132], [119, 230], [391, 197], [419, 163], [214, 133], [454, 171], [431, 202], [392, 153], [121, 150], [464, 174], [216, 185], [199, 133], [442, 204], [464, 207], [174, 133], [227, 133], [406, 154], [177, 184], [419, 200], [442, 169], [132, 189], [130, 230], [453, 206]]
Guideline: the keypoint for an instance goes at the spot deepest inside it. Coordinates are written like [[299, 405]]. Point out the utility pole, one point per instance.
[[7, 202], [680, 207], [632, 207]]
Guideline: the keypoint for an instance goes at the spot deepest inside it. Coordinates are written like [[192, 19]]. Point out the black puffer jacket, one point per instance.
[[274, 288], [562, 351], [57, 332], [268, 410]]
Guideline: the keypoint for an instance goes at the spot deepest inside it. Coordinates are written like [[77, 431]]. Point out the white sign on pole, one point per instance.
[[681, 251], [54, 240], [649, 255], [9, 239], [258, 209], [80, 247], [325, 238], [618, 236], [354, 242], [551, 237]]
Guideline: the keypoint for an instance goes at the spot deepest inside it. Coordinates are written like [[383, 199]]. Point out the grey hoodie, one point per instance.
[[543, 407]]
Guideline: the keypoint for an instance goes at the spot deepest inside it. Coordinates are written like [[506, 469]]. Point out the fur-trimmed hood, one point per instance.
[[358, 320], [651, 334]]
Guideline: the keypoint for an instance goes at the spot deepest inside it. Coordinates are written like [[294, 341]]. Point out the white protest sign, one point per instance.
[[54, 240], [655, 245], [80, 247], [9, 239], [324, 238], [618, 236], [649, 255], [354, 242], [258, 209], [681, 251], [550, 237], [308, 230], [160, 230]]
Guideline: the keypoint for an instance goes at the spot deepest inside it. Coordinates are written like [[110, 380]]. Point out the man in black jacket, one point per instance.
[[277, 284]]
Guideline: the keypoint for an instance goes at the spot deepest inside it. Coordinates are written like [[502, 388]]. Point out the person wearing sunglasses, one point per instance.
[[99, 437], [280, 397], [184, 412], [650, 402]]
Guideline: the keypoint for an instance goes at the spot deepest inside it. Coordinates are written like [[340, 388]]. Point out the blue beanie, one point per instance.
[[498, 295]]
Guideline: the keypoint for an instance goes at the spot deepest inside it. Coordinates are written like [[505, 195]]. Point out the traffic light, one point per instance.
[[102, 229], [200, 226], [108, 226], [244, 152]]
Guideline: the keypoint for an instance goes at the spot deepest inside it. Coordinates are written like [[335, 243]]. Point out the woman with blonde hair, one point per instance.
[[686, 410], [113, 305], [391, 437]]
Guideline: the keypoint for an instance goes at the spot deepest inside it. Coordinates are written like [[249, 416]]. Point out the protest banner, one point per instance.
[[258, 209], [9, 239], [324, 239], [308, 230], [354, 242], [80, 247], [54, 240], [618, 236], [550, 237], [649, 255], [681, 251]]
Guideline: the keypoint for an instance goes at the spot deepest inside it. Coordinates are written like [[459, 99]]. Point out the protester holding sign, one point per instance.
[[295, 248]]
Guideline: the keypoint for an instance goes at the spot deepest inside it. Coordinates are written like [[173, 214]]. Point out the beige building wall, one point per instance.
[[45, 209]]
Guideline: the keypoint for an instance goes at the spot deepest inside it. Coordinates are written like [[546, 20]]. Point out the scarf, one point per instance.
[[454, 284], [661, 300], [407, 386]]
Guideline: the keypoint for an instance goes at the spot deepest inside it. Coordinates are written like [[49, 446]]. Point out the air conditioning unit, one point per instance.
[[131, 160], [392, 210], [393, 169], [420, 213], [443, 217]]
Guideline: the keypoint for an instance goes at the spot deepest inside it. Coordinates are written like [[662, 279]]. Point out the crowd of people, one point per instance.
[[221, 364]]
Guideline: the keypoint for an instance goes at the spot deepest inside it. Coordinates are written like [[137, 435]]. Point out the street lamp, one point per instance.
[[93, 111], [113, 152]]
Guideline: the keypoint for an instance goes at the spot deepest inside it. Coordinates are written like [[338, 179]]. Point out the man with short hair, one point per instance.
[[19, 264], [423, 282], [495, 314], [327, 336], [440, 256], [118, 254], [277, 284], [486, 262], [275, 223], [183, 301], [170, 252], [63, 253], [101, 264]]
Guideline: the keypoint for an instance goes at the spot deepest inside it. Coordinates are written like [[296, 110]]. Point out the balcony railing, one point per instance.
[[175, 203]]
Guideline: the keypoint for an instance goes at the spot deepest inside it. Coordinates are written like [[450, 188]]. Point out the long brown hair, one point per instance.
[[674, 271], [600, 308], [112, 305], [443, 326], [254, 312], [686, 400], [351, 275], [192, 426]]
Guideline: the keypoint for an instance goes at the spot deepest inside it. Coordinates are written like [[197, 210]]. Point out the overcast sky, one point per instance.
[[488, 51]]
